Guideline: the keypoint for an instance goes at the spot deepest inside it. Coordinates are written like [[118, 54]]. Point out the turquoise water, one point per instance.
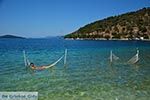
[[88, 74]]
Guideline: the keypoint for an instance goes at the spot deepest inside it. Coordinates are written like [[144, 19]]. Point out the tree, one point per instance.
[[143, 29], [107, 37], [116, 29]]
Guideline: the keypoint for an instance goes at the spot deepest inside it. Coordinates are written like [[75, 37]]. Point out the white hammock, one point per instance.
[[135, 58], [27, 62], [113, 57], [53, 64]]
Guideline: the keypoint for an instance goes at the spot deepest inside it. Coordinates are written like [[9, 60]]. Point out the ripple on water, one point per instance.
[[88, 74]]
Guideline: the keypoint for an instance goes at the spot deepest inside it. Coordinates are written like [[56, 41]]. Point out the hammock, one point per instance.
[[113, 57], [53, 64], [135, 58], [27, 62]]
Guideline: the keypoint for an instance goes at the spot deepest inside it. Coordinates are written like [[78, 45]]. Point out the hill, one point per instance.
[[132, 25], [11, 36]]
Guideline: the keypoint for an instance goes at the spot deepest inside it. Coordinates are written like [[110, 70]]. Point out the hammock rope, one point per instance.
[[135, 58], [53, 64], [113, 56]]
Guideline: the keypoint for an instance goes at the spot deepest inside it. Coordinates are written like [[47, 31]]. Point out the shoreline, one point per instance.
[[102, 39]]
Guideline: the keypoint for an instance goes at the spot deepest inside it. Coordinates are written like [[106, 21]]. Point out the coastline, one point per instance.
[[103, 39]]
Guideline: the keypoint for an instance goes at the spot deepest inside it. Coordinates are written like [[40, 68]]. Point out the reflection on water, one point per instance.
[[87, 75]]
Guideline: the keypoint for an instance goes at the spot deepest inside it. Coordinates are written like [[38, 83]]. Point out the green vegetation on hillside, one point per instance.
[[126, 26]]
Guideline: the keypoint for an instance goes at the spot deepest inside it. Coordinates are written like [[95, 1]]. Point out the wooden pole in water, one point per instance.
[[65, 57], [24, 55], [111, 56], [137, 54]]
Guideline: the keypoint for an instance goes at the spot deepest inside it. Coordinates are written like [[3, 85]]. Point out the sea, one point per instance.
[[87, 74]]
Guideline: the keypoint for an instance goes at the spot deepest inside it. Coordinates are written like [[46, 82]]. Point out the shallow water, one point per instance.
[[87, 75]]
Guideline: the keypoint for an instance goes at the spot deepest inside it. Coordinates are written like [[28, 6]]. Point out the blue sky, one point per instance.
[[41, 18]]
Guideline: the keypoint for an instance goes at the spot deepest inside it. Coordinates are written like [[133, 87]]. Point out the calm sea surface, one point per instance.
[[88, 74]]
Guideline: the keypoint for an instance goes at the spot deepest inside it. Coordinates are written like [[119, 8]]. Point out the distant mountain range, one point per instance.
[[11, 36], [132, 25]]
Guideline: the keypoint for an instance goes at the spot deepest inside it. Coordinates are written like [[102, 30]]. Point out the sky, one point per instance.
[[42, 18]]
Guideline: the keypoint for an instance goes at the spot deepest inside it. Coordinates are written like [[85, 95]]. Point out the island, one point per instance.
[[129, 26], [11, 37]]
